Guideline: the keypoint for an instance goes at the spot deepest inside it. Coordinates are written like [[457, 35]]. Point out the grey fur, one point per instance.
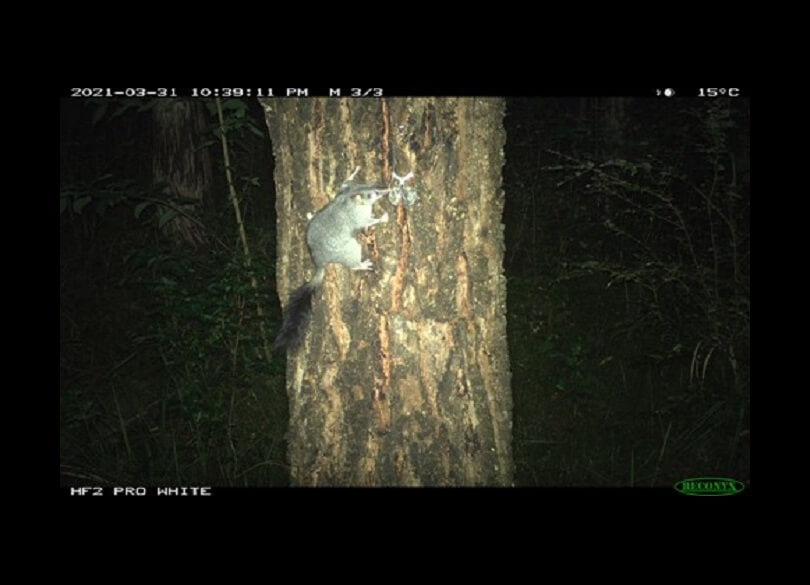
[[331, 238]]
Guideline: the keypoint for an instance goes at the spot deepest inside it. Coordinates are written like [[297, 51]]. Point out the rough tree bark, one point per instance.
[[404, 375], [180, 161]]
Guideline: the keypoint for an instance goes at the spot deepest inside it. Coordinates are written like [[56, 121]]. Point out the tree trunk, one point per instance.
[[180, 161], [403, 378]]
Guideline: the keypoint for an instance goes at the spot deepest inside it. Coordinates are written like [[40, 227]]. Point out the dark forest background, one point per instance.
[[627, 257]]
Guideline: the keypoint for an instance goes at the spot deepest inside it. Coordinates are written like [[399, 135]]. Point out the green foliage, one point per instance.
[[237, 119], [101, 107], [197, 387], [105, 193], [568, 365], [164, 378], [632, 309]]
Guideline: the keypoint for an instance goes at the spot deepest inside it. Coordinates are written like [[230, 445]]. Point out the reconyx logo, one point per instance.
[[709, 486]]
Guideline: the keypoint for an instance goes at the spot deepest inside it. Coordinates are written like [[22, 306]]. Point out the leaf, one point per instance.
[[63, 203], [147, 106], [122, 109], [102, 205], [81, 203], [140, 207], [235, 105], [167, 215], [256, 131], [98, 114]]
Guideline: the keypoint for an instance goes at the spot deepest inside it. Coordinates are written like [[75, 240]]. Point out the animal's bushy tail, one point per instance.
[[297, 314]]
